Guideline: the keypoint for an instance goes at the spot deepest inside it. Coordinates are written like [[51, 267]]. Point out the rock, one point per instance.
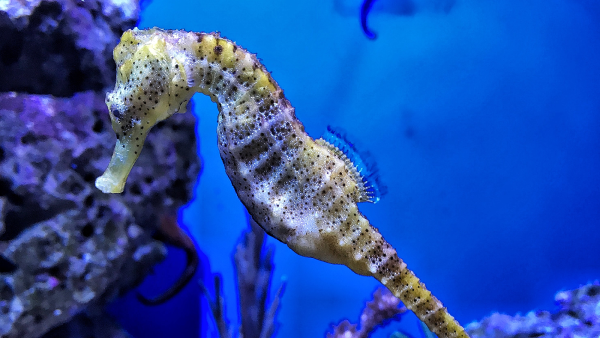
[[87, 325], [578, 316], [65, 245], [61, 47]]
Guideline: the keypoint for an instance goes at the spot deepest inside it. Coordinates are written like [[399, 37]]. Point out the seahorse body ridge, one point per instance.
[[298, 189]]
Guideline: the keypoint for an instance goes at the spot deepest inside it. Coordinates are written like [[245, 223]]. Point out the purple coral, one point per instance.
[[578, 316], [384, 308]]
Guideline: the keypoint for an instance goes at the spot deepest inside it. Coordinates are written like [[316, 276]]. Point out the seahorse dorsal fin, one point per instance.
[[361, 166]]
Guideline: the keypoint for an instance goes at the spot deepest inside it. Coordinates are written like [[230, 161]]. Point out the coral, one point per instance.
[[61, 47], [66, 247], [254, 270], [299, 190], [578, 315], [378, 312]]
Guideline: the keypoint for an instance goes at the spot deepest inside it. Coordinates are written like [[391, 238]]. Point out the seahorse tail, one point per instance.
[[403, 283]]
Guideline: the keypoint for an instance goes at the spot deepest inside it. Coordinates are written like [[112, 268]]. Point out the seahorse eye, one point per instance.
[[116, 111]]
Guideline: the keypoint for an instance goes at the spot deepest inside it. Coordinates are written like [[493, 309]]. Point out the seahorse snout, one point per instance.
[[131, 132], [121, 162]]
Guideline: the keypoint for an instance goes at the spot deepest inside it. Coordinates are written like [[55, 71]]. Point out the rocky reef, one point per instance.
[[61, 47], [578, 315], [64, 244], [65, 247]]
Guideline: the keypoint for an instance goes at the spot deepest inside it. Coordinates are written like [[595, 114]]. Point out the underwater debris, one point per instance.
[[380, 311], [254, 270], [578, 315], [71, 246], [61, 47]]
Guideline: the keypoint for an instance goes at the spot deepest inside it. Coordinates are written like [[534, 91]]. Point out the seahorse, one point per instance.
[[301, 191]]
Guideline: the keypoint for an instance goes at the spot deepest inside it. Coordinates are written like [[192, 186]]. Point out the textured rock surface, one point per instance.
[[85, 325], [578, 316], [64, 244], [60, 47]]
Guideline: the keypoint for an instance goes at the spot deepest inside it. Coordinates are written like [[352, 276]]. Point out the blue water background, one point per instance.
[[485, 124]]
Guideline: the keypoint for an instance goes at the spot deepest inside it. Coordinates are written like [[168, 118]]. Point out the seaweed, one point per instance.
[[253, 262]]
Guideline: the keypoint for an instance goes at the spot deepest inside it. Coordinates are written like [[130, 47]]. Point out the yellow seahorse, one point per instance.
[[301, 191]]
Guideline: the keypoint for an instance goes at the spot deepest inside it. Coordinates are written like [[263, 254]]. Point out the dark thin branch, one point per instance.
[[217, 306]]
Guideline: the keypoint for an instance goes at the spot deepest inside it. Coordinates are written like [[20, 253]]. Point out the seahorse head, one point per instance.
[[144, 94]]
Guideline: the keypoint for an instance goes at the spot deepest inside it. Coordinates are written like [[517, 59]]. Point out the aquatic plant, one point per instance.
[[254, 269], [299, 190]]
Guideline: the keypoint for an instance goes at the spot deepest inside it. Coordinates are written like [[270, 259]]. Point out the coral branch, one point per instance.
[[269, 323], [217, 306], [378, 312], [254, 269]]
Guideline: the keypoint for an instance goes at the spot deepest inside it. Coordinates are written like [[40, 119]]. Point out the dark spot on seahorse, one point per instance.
[[115, 110], [234, 48], [218, 50], [199, 37]]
